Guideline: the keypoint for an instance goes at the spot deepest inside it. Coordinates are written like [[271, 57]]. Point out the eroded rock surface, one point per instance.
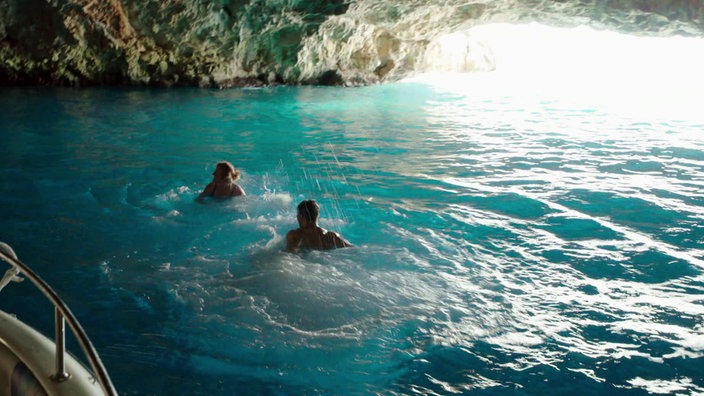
[[225, 43]]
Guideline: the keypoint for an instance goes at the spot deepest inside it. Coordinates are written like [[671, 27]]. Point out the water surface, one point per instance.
[[507, 242]]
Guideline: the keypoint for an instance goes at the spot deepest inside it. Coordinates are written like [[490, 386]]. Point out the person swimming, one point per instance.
[[223, 184], [309, 235]]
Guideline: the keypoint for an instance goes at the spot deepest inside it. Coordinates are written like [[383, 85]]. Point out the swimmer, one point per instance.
[[309, 235], [223, 184]]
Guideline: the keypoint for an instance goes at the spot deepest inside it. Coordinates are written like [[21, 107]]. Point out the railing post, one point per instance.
[[60, 340], [62, 315]]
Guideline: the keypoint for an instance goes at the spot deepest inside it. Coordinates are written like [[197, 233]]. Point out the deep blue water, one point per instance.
[[506, 244]]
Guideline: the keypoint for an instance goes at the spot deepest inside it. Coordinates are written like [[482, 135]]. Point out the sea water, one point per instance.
[[512, 236]]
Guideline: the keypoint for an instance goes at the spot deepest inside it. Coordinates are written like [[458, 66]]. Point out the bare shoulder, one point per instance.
[[207, 191], [294, 234], [237, 190], [334, 240], [293, 239]]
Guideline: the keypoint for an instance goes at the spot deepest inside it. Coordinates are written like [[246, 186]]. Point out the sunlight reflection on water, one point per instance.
[[503, 243]]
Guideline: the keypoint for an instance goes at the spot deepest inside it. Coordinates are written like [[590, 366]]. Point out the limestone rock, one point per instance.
[[226, 43]]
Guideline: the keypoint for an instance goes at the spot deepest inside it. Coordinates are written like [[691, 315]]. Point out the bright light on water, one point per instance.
[[536, 230], [634, 75]]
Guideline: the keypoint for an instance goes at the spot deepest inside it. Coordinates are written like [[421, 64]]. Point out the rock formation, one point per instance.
[[222, 43]]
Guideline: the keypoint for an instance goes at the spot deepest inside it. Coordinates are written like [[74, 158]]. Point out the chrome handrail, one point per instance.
[[63, 313]]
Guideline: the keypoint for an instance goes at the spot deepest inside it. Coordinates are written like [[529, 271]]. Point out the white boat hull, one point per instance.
[[28, 363]]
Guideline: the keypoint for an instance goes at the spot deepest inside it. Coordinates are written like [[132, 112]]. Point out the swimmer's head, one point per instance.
[[226, 170], [308, 211]]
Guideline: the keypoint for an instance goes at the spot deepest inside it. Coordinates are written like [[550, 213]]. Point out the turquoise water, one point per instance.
[[505, 244]]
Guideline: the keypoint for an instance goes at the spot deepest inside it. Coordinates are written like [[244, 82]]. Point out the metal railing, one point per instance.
[[62, 315]]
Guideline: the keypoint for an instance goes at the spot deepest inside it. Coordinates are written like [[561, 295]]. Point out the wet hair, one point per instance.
[[310, 210], [234, 173]]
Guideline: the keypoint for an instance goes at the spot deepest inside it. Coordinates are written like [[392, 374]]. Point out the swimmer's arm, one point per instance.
[[208, 191], [338, 241], [293, 241], [237, 191]]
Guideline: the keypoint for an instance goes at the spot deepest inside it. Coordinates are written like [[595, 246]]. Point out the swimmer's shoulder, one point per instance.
[[333, 240]]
